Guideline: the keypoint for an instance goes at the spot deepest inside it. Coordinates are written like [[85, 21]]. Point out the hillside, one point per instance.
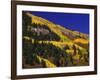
[[46, 44]]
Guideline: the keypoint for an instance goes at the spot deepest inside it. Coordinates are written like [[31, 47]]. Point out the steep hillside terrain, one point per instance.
[[46, 44]]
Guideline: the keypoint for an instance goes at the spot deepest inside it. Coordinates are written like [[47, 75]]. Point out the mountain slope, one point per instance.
[[56, 28], [54, 44]]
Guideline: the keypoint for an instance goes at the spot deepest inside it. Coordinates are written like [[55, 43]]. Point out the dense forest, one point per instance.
[[44, 47]]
